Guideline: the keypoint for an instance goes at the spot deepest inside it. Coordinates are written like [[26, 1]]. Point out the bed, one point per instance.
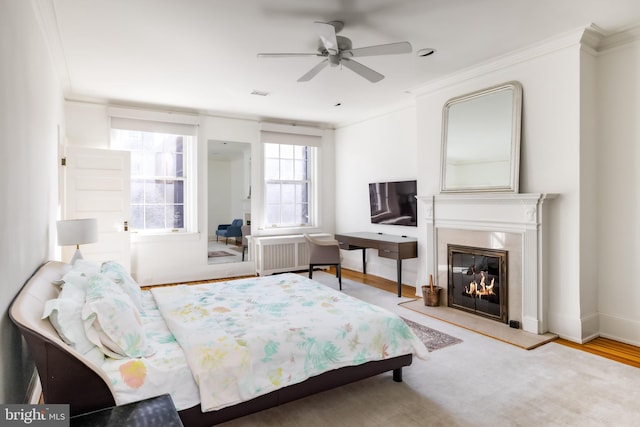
[[232, 346]]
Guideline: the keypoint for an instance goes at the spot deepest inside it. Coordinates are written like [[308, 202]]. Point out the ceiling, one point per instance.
[[201, 55]]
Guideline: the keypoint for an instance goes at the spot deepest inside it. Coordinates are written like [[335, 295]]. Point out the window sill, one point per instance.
[[157, 237], [277, 231]]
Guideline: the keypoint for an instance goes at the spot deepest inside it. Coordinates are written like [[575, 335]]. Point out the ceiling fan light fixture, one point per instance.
[[427, 51]]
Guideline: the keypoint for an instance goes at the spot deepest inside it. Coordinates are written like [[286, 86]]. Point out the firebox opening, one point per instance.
[[478, 281]]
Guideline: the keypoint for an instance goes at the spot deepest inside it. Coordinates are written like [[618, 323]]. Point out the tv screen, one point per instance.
[[393, 203]]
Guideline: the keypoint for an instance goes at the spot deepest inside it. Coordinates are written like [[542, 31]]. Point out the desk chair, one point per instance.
[[324, 252]]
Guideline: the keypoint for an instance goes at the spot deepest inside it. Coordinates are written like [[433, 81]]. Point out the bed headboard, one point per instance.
[[66, 375]]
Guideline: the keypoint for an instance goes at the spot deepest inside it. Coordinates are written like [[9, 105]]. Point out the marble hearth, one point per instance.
[[510, 222]]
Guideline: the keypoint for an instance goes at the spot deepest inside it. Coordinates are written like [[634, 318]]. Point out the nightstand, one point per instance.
[[153, 412]]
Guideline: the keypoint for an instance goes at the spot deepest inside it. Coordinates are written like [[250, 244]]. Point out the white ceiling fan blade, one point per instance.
[[327, 34], [383, 49], [286, 55], [364, 71], [315, 70]]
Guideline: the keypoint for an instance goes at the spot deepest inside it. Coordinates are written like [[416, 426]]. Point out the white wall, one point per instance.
[[31, 106], [618, 204], [580, 139], [377, 150]]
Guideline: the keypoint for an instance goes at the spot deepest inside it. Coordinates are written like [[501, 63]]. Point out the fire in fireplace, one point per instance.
[[478, 281]]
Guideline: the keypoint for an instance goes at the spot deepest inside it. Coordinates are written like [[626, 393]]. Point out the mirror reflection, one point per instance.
[[481, 140], [229, 201]]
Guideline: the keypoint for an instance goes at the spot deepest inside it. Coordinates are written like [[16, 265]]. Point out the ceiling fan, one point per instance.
[[337, 50]]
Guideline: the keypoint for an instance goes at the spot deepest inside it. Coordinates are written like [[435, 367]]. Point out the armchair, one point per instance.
[[230, 230]]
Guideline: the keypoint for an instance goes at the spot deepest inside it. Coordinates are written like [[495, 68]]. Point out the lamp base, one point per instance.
[[76, 256]]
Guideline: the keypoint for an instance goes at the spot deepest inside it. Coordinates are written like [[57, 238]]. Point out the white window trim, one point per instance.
[[183, 123], [278, 133]]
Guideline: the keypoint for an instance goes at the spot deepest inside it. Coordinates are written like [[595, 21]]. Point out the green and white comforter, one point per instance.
[[245, 338]]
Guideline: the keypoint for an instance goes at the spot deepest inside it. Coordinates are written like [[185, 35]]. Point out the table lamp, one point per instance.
[[77, 232]]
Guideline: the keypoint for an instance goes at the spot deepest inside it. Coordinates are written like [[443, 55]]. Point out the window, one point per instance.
[[159, 173], [288, 184]]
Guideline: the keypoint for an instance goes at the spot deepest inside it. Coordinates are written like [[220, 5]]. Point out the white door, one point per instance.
[[97, 185]]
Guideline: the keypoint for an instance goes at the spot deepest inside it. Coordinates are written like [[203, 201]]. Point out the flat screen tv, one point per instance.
[[393, 203]]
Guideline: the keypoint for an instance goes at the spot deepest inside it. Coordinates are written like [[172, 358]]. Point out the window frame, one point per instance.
[[188, 131], [312, 155]]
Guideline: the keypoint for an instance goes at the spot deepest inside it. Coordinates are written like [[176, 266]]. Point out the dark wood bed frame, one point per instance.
[[67, 376]]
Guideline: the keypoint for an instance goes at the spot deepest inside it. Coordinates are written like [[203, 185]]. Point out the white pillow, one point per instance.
[[65, 314], [119, 275], [112, 321]]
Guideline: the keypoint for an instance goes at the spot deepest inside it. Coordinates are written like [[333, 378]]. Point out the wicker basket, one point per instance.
[[431, 296]]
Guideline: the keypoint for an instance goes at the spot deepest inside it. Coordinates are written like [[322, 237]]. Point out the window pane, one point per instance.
[[271, 150], [286, 151], [175, 192], [152, 142], [273, 214], [173, 144], [288, 193], [170, 164], [300, 169], [289, 214], [272, 169], [300, 152], [136, 163], [302, 195], [137, 217], [154, 217], [273, 193], [179, 161], [137, 191], [286, 169], [154, 191], [175, 216], [152, 164], [300, 218]]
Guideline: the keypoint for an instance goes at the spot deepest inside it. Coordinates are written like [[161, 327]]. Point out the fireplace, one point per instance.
[[477, 281], [510, 222]]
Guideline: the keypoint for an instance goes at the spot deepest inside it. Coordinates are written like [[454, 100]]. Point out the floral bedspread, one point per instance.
[[166, 371], [245, 338]]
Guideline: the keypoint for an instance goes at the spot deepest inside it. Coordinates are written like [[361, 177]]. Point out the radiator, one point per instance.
[[278, 254]]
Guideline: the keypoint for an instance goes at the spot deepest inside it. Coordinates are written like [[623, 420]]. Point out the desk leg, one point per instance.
[[364, 260], [399, 278]]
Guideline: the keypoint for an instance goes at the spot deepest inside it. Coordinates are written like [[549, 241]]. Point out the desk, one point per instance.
[[388, 246]]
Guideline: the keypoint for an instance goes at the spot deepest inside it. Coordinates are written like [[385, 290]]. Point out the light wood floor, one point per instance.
[[604, 347]]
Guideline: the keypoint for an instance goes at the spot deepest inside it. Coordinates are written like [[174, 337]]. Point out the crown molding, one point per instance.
[[575, 38], [625, 36]]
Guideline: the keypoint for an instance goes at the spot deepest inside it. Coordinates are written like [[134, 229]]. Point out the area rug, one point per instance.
[[215, 254], [432, 339], [487, 327]]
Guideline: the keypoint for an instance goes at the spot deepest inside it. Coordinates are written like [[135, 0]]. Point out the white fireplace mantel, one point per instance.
[[498, 212]]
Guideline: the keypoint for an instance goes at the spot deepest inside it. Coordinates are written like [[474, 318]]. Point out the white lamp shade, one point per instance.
[[73, 232]]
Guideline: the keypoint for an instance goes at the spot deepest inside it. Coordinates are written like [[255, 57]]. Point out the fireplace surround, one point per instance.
[[512, 222]]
